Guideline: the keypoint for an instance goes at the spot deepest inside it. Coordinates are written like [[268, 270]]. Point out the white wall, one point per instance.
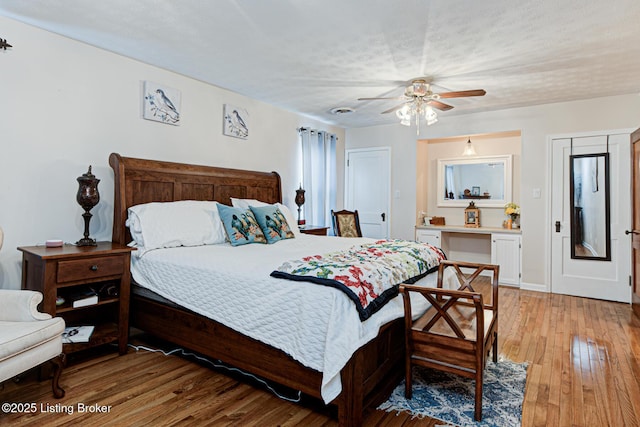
[[66, 105], [536, 124]]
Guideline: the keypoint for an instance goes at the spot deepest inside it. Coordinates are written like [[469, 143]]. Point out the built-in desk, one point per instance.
[[493, 245]]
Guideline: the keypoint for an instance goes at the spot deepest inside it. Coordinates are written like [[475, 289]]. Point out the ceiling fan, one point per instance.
[[419, 100]]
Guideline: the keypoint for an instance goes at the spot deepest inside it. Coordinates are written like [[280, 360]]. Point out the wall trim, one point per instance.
[[537, 287]]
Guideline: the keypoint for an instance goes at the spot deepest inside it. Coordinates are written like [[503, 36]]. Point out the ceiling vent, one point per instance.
[[342, 110]]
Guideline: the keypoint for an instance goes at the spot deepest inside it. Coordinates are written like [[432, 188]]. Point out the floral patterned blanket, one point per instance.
[[369, 274]]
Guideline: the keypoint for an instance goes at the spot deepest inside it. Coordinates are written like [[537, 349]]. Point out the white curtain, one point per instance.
[[449, 184], [319, 175]]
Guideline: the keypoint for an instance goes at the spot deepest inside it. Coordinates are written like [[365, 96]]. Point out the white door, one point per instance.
[[601, 279], [367, 189]]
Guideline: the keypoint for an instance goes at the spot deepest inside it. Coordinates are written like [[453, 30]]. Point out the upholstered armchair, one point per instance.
[[28, 337]]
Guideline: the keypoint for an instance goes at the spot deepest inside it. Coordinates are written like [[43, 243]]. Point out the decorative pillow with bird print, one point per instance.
[[273, 223], [241, 225]]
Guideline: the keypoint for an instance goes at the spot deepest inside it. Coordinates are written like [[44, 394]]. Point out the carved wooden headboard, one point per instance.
[[142, 181]]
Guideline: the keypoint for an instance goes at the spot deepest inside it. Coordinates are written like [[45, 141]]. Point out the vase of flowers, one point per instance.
[[513, 212]]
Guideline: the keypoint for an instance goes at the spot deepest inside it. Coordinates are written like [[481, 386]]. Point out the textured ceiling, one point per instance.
[[309, 56]]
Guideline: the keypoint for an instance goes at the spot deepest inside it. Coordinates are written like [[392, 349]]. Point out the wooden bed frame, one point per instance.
[[369, 376]]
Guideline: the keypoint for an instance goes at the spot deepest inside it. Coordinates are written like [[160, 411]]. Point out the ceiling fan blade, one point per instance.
[[373, 99], [463, 93], [439, 105], [391, 110]]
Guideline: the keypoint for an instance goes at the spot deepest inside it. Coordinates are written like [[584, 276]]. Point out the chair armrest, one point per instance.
[[20, 306]]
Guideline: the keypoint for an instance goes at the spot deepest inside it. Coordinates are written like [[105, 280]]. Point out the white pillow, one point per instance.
[[245, 203], [291, 219], [170, 224]]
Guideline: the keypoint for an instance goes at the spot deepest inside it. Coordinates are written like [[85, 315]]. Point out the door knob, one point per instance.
[[631, 232], [557, 226], [383, 216]]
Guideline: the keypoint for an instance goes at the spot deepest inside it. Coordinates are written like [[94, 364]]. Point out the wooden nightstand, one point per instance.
[[69, 269], [314, 229]]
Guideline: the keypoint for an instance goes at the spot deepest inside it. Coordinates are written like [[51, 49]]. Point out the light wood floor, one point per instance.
[[584, 370]]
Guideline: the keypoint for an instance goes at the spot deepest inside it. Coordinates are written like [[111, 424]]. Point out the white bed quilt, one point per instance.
[[316, 325]]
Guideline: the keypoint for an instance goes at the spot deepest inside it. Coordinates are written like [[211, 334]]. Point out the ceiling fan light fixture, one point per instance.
[[420, 101], [430, 115], [404, 114], [420, 88], [468, 149]]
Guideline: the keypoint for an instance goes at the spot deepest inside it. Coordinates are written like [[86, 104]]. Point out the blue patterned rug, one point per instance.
[[449, 398]]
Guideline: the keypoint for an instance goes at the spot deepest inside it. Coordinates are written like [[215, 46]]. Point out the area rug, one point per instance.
[[450, 398]]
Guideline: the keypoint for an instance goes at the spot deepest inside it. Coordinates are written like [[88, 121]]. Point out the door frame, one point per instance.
[[346, 180], [548, 214], [635, 292]]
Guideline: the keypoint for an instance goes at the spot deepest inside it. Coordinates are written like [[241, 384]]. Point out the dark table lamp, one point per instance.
[[87, 197], [300, 202]]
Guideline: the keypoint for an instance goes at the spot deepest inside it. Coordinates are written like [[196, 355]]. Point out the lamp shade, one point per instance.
[[468, 149]]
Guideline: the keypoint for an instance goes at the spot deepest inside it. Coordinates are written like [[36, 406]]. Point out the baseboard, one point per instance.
[[533, 287], [510, 285]]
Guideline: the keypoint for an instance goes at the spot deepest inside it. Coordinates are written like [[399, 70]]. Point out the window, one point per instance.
[[318, 175]]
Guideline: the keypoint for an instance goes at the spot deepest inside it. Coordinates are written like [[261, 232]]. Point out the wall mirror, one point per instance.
[[486, 181], [589, 198]]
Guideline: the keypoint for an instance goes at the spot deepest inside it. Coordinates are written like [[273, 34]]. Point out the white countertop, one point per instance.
[[463, 229]]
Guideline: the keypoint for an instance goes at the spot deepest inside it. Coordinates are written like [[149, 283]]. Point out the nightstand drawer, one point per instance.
[[84, 269]]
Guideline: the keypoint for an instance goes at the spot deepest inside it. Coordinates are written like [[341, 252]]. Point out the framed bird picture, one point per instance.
[[236, 122], [161, 103]]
